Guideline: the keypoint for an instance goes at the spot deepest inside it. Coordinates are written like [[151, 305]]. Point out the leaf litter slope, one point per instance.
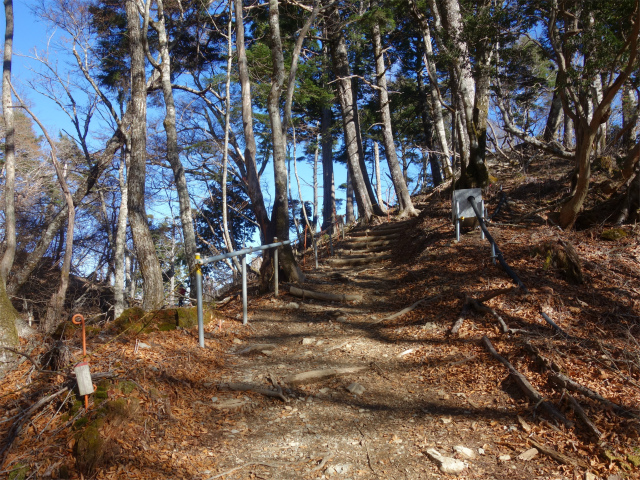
[[423, 387]]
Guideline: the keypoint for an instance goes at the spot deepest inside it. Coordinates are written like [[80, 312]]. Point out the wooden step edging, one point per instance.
[[329, 297]]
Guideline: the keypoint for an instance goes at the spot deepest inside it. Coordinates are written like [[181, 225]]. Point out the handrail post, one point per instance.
[[199, 301], [244, 290], [484, 215], [275, 268]]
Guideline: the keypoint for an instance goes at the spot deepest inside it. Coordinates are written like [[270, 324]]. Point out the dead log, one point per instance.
[[593, 430], [557, 456], [313, 376], [350, 262], [526, 386], [329, 297], [407, 309], [248, 387]]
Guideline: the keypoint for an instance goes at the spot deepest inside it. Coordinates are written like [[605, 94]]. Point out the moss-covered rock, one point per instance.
[[89, 450], [187, 317], [634, 459], [563, 257], [19, 472], [126, 386], [135, 320], [614, 234]]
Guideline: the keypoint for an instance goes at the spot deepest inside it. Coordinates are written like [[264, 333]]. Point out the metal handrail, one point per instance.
[[244, 252]]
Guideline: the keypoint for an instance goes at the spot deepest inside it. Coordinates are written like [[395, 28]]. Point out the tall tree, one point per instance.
[[8, 314], [405, 206], [153, 293], [173, 153], [348, 106]]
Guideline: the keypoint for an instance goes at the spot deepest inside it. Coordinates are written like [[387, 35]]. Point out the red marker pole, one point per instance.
[[84, 348]]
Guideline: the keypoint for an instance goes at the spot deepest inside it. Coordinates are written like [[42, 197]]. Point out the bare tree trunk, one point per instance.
[[280, 217], [350, 212], [405, 206], [436, 100], [341, 69], [121, 238], [376, 156], [630, 112], [173, 154], [474, 92], [8, 314], [328, 185], [585, 137], [554, 118], [568, 131], [225, 148], [315, 181], [428, 133], [153, 294], [253, 179]]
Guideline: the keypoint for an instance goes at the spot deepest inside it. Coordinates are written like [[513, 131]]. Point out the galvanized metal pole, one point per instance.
[[457, 220], [275, 268], [199, 300], [244, 290], [484, 215]]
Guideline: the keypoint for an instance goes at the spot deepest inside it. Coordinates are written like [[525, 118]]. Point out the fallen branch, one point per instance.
[[24, 417], [407, 309], [318, 375], [253, 464], [483, 308], [563, 381], [557, 456], [260, 347], [37, 367], [593, 430], [329, 297], [248, 387], [336, 347], [497, 293], [461, 318], [525, 385]]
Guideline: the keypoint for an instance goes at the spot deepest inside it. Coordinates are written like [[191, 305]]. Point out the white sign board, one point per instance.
[[462, 205]]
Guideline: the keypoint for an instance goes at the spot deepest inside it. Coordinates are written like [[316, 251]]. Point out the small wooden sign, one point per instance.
[[83, 377]]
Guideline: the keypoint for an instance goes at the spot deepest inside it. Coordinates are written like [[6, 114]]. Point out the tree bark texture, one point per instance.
[[153, 292], [341, 70], [253, 179], [173, 154], [474, 93], [328, 185], [8, 314], [121, 238], [405, 205], [280, 214], [435, 100], [554, 118], [428, 133]]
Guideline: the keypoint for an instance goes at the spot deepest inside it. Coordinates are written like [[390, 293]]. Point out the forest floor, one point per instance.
[[395, 392]]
